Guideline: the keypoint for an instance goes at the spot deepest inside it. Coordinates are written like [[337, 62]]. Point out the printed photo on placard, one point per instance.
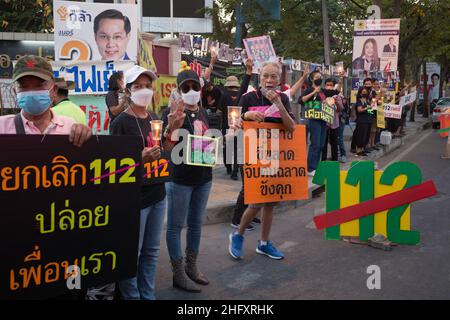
[[375, 44], [184, 43], [197, 42], [237, 56], [202, 151], [260, 49], [223, 52]]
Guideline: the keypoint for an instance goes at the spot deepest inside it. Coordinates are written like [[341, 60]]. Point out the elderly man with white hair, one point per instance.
[[255, 107]]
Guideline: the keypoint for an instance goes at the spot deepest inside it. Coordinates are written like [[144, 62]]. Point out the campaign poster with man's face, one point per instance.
[[376, 45], [95, 31], [433, 81]]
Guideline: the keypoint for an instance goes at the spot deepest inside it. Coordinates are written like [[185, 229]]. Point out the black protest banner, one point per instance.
[[221, 70], [65, 206]]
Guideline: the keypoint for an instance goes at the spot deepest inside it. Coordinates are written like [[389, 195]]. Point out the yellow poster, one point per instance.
[[162, 88], [353, 96], [380, 118], [145, 55]]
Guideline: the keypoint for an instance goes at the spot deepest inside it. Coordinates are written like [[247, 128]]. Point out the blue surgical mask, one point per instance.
[[34, 102]]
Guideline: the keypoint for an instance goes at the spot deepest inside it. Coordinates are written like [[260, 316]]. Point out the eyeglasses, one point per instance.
[[186, 87]]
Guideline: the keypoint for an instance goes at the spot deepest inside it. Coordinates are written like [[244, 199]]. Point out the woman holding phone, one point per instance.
[[188, 192]]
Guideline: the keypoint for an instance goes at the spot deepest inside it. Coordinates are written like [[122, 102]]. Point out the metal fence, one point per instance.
[[8, 99]]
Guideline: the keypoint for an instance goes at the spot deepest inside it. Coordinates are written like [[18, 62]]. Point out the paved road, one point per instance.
[[315, 268]]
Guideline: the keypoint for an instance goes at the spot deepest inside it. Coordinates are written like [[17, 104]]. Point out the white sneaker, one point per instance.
[[312, 173], [343, 159]]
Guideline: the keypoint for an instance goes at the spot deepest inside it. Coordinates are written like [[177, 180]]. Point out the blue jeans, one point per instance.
[[318, 133], [185, 204], [341, 140], [143, 285]]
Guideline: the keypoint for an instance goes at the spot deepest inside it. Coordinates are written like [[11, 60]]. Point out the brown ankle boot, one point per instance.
[[180, 280], [191, 268]]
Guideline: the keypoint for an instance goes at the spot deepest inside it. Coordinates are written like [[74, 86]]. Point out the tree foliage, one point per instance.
[[299, 34], [26, 16]]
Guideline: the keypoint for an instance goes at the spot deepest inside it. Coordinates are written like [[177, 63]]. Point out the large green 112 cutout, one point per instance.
[[363, 173]]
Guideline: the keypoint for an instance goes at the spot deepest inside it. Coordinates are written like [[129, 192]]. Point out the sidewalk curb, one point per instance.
[[223, 211]]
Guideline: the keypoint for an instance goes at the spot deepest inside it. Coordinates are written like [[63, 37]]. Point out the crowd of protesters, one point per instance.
[[196, 105]]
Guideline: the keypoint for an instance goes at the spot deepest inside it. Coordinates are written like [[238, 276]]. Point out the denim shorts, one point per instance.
[[260, 205]]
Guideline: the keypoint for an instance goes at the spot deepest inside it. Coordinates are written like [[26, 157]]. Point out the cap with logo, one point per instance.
[[31, 65]]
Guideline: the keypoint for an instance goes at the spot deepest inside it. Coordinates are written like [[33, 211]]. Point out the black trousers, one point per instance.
[[240, 207], [363, 135], [234, 164], [332, 138], [393, 124]]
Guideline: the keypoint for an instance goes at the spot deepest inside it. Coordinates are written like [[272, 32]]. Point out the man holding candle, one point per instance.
[[231, 95]]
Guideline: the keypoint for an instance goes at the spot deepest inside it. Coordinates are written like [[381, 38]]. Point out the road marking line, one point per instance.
[[401, 155]]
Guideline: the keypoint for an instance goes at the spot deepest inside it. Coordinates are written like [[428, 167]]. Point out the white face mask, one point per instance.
[[191, 98], [142, 97]]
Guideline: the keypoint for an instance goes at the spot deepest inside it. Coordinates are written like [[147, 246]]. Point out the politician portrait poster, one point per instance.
[[95, 31], [375, 45]]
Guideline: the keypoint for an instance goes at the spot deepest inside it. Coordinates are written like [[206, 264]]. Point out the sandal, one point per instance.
[[379, 241], [354, 240]]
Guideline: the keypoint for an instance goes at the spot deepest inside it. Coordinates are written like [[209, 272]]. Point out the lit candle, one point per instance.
[[156, 126], [157, 130], [233, 117], [234, 113]]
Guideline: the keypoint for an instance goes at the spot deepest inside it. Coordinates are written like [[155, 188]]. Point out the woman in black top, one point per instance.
[[135, 120], [363, 122], [115, 99], [188, 192]]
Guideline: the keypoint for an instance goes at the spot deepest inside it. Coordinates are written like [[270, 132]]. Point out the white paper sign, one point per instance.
[[393, 111], [410, 98]]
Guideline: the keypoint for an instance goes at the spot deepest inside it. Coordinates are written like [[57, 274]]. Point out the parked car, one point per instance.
[[442, 105]]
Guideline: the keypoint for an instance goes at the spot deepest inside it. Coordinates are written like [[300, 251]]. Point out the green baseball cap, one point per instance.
[[32, 65]]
